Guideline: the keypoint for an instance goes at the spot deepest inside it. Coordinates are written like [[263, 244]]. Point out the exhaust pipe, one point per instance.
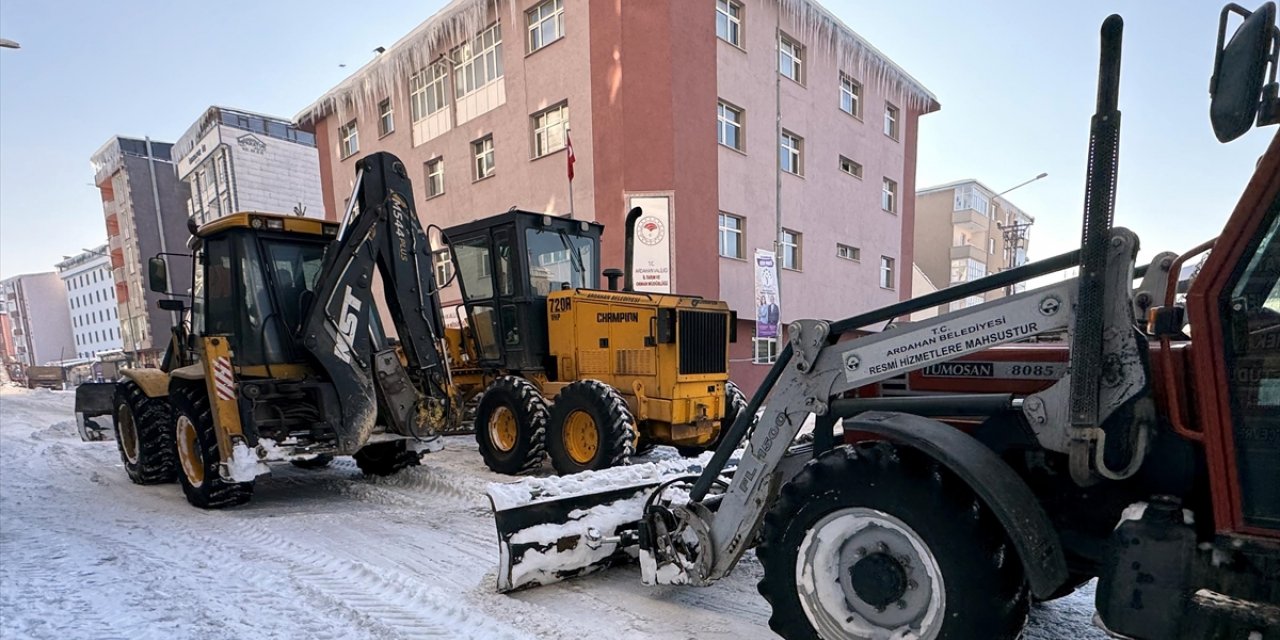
[[629, 277]]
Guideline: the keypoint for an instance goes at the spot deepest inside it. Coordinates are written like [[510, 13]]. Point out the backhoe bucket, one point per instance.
[[554, 528]]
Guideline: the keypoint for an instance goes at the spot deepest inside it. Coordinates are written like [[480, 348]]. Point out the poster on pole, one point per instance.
[[651, 269], [767, 311]]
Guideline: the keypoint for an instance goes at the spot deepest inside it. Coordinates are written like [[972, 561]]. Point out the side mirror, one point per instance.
[[1236, 91], [157, 275]]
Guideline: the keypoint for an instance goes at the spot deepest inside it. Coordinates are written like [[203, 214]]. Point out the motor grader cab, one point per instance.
[[282, 355], [619, 369]]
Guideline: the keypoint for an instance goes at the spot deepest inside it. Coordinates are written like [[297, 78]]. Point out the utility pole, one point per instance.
[[1013, 232]]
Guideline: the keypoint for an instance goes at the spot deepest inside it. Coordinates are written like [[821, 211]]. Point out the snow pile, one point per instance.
[[508, 495]]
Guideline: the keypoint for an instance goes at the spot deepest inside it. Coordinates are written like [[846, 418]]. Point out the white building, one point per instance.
[[91, 299], [235, 160]]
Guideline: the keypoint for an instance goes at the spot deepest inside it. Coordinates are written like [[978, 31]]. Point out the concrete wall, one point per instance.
[[38, 304]]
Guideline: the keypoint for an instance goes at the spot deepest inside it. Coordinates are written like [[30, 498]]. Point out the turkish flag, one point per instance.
[[568, 143]]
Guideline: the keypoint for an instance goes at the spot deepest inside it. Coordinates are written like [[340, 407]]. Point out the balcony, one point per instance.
[[970, 221], [113, 225], [969, 252], [117, 258]]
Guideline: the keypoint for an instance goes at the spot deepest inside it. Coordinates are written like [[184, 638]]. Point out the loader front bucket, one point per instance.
[[554, 528], [94, 399]]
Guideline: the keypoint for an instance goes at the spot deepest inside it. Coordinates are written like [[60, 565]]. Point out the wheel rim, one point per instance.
[[189, 453], [502, 429], [581, 438], [128, 433], [866, 574]]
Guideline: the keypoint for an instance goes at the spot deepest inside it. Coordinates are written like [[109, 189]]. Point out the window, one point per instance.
[[991, 246], [426, 91], [478, 62], [790, 152], [791, 249], [546, 24], [764, 350], [444, 266], [548, 130], [386, 119], [889, 196], [435, 177], [850, 96], [729, 126], [850, 167], [729, 22], [731, 244], [482, 149], [790, 59], [967, 270], [891, 121], [846, 252], [886, 272], [970, 197], [350, 138]]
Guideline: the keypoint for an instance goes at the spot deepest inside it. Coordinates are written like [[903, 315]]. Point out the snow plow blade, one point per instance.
[[554, 528]]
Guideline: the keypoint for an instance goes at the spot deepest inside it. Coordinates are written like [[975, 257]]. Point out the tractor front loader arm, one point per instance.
[[380, 231]]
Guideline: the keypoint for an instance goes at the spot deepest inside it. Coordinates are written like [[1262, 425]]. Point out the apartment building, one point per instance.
[[670, 105], [91, 301], [39, 325], [234, 160], [964, 231], [144, 207]]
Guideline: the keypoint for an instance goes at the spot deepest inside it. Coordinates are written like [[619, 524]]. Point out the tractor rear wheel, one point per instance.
[[511, 426], [875, 540], [591, 428], [144, 435], [198, 454], [734, 403], [386, 458]]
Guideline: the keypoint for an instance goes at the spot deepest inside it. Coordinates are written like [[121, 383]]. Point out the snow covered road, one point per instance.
[[84, 553]]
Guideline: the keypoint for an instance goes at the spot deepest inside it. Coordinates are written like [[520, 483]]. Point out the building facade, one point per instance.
[[144, 205], [233, 160], [39, 324], [91, 301], [964, 231], [670, 105]]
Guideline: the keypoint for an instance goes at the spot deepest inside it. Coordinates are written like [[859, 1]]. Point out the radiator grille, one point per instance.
[[703, 339]]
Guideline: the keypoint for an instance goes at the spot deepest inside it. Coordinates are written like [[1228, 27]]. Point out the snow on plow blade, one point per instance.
[[554, 528]]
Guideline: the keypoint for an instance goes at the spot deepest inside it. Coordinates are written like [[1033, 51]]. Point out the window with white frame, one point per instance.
[[477, 62], [729, 22], [790, 59], [731, 239], [546, 24], [967, 270], [791, 153], [971, 197], [848, 252], [729, 126], [791, 249], [386, 118], [482, 150], [886, 272], [991, 246], [764, 350], [891, 121], [443, 263], [548, 130], [435, 177], [850, 167], [350, 139], [889, 196], [427, 91], [850, 96]]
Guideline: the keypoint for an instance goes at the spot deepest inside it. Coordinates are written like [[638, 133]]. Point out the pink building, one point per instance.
[[671, 104]]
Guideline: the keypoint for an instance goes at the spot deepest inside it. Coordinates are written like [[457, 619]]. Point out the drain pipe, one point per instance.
[[629, 278]]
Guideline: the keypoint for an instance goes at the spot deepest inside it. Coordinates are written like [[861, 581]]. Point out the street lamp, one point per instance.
[[6, 43], [1015, 232]]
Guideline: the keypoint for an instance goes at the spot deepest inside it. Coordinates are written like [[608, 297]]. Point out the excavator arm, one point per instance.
[[380, 232]]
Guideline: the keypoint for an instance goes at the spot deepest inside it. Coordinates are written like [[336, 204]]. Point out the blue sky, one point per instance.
[[1016, 81]]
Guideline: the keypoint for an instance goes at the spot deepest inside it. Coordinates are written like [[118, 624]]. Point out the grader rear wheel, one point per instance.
[[591, 428], [511, 426]]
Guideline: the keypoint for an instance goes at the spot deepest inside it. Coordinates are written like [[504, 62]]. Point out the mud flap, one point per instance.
[[550, 529]]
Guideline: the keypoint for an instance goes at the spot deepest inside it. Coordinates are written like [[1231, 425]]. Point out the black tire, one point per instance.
[[144, 435], [511, 398], [610, 418], [386, 458], [319, 462], [735, 403], [985, 592], [198, 455]]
